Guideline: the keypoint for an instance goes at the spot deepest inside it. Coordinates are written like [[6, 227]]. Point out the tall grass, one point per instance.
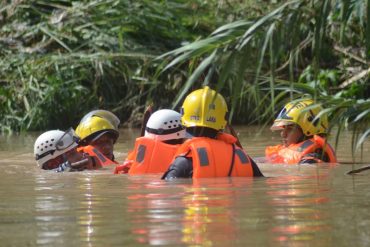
[[61, 58], [303, 47]]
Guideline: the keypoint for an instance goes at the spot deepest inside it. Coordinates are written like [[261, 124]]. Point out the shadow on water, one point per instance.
[[294, 206]]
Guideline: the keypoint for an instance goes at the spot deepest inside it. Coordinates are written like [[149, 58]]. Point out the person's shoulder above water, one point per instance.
[[99, 129], [57, 150], [303, 126], [210, 152], [181, 167], [154, 151]]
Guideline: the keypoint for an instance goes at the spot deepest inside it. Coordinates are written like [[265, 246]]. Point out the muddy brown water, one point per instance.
[[293, 206]]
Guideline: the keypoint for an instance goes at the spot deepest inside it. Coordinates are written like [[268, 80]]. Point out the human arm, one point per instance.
[[315, 157], [256, 171], [124, 168], [70, 167], [182, 167], [88, 162]]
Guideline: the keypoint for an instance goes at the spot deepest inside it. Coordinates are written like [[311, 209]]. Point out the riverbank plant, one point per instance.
[[302, 48], [60, 59]]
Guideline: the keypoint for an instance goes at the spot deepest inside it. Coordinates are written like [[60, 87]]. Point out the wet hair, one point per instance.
[[174, 141], [202, 132]]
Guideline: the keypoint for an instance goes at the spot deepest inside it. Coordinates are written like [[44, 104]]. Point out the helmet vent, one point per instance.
[[45, 146], [165, 124]]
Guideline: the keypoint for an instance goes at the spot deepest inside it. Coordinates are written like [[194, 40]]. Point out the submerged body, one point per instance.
[[202, 157], [57, 150], [99, 129], [154, 151], [210, 152], [313, 150], [150, 156], [303, 133]]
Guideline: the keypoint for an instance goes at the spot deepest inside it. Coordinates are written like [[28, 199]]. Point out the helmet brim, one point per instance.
[[279, 125], [113, 133], [113, 119]]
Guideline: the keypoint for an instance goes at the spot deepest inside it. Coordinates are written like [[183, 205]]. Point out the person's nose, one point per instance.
[[107, 146]]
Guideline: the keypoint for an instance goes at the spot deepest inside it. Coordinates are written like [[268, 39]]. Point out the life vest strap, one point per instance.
[[243, 158], [232, 160]]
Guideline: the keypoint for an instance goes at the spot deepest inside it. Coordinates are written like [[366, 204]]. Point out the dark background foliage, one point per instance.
[[61, 59]]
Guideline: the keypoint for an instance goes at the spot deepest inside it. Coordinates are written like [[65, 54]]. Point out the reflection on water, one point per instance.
[[294, 206], [210, 211], [193, 214], [296, 202]]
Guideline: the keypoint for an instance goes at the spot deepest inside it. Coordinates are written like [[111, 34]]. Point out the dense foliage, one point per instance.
[[60, 59], [303, 48]]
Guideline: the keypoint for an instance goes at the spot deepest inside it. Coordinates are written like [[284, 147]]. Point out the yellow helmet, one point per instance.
[[93, 127], [304, 114], [113, 119], [204, 108]]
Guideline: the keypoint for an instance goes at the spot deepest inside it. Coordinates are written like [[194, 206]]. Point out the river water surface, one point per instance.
[[293, 206]]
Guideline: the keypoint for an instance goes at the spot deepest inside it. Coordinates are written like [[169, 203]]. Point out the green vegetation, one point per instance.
[[60, 59], [303, 48]]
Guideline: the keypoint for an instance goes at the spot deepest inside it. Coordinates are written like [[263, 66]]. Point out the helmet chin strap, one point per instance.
[[303, 138]]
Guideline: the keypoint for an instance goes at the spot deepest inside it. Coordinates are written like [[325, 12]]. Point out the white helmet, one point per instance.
[[53, 143], [164, 125]]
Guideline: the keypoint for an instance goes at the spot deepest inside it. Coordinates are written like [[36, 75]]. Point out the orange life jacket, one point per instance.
[[93, 151], [151, 156], [295, 152], [216, 157]]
